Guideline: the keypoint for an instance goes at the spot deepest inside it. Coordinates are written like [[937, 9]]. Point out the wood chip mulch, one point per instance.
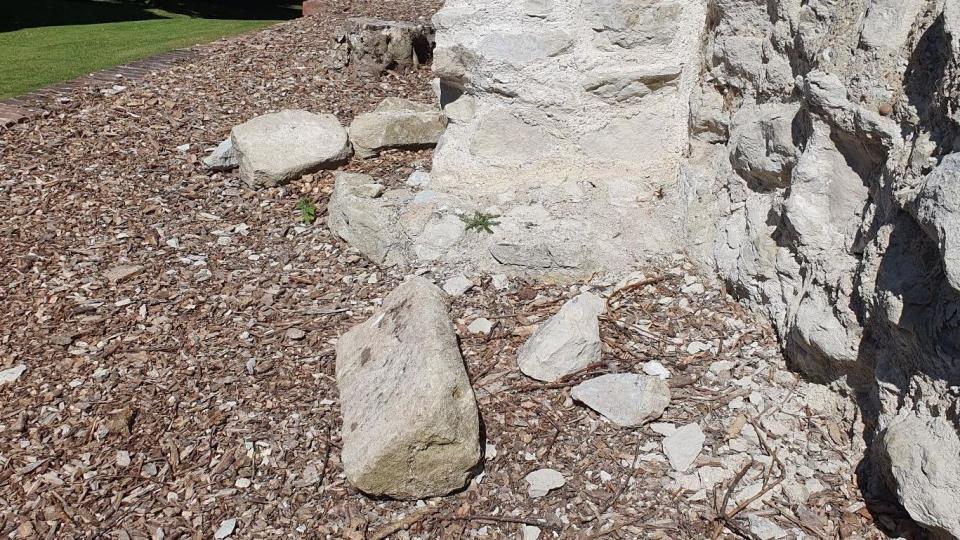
[[178, 331]]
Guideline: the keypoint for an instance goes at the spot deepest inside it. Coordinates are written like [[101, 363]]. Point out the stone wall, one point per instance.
[[821, 174]]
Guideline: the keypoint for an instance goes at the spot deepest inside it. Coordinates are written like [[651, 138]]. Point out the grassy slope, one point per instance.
[[34, 57]]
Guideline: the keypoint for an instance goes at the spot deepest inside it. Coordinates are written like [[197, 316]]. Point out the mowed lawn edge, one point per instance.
[[32, 58]]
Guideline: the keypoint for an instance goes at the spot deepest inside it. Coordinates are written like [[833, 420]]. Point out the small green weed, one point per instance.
[[308, 211], [480, 222]]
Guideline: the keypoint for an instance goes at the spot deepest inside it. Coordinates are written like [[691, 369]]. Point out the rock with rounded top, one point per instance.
[[279, 147], [568, 342], [410, 423], [626, 399], [397, 123]]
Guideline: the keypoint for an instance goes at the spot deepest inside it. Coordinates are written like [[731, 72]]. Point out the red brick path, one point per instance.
[[21, 108]]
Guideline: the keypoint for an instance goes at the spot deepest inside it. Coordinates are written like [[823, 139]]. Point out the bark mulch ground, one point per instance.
[[178, 331]]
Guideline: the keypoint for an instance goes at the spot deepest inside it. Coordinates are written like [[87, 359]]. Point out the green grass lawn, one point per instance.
[[39, 45]]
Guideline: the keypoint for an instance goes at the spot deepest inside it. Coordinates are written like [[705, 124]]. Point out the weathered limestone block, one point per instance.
[[568, 342], [278, 147], [375, 45], [411, 429], [922, 451], [937, 209], [762, 140], [365, 215], [396, 123]]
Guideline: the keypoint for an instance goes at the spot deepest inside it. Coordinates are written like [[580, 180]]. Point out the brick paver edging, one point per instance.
[[21, 108]]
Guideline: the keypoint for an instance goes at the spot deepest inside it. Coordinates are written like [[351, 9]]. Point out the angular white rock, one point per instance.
[[225, 529], [656, 369], [223, 158], [480, 326], [12, 374], [279, 147], [410, 423], [626, 399], [568, 342], [542, 481], [683, 446], [457, 285]]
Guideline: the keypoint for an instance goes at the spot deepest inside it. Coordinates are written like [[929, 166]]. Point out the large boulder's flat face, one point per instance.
[[396, 123], [410, 423], [283, 146]]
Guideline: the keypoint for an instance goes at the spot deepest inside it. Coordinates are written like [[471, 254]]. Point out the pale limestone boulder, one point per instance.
[[279, 147], [937, 209], [365, 216], [410, 423], [568, 342], [922, 451], [397, 123]]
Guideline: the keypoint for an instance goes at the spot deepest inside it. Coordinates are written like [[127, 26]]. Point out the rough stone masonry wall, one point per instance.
[[823, 188], [801, 148]]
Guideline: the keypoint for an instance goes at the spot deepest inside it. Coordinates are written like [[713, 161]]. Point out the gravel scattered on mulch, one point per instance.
[[178, 331]]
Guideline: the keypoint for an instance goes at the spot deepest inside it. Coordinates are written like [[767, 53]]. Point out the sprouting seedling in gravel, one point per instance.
[[308, 211], [480, 222]]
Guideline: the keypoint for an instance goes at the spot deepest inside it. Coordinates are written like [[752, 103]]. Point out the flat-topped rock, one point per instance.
[[627, 399], [397, 123], [410, 423], [279, 147]]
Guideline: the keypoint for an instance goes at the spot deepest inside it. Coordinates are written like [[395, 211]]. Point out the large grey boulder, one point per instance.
[[279, 147], [568, 342], [361, 212], [410, 423], [923, 453], [627, 399], [397, 123]]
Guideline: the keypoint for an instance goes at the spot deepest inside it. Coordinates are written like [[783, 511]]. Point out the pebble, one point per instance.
[[457, 285], [480, 326], [123, 458], [225, 529], [419, 179], [697, 347], [765, 529], [12, 374], [656, 369], [296, 334], [500, 282], [242, 483], [530, 532], [542, 481], [663, 428], [683, 446]]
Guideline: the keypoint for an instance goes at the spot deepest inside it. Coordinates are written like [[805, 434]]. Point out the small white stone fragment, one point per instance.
[[656, 369], [123, 458], [480, 326], [225, 529], [500, 282], [530, 532], [697, 347], [242, 483], [12, 374], [457, 285], [542, 481], [765, 529], [683, 446], [490, 451], [419, 179]]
